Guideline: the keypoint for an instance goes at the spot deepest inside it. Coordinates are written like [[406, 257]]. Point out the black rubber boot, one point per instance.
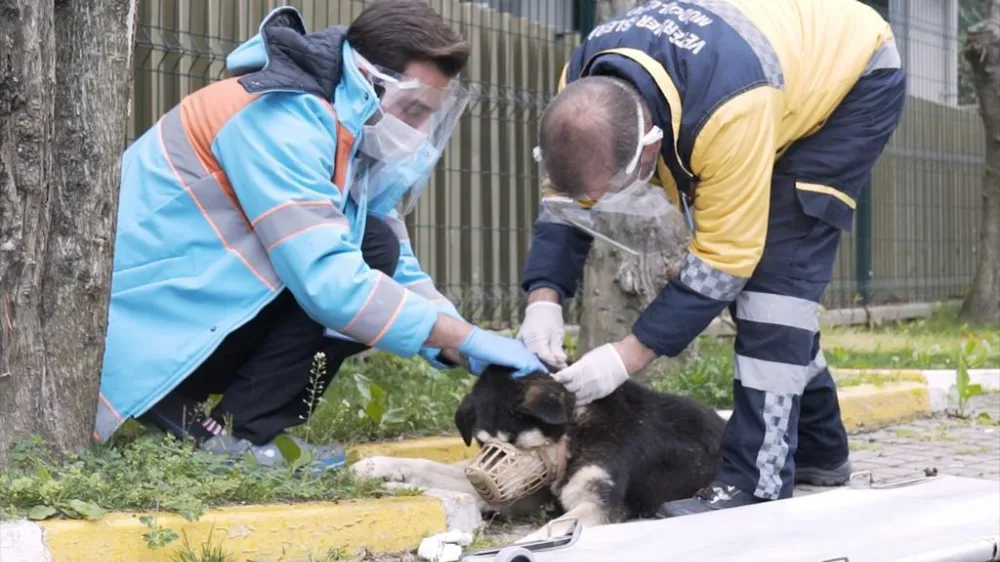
[[819, 476], [716, 496]]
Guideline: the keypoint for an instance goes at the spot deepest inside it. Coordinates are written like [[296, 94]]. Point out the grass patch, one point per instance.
[[154, 474], [856, 446], [935, 342], [969, 451], [708, 378], [877, 379], [937, 433]]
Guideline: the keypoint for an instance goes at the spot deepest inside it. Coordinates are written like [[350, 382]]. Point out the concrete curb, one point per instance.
[[261, 533], [440, 449], [940, 384]]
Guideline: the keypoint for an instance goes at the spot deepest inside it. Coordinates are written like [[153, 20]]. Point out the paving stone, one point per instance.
[[952, 446]]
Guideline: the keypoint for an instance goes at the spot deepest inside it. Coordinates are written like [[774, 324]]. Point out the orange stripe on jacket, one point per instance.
[[206, 111], [345, 140]]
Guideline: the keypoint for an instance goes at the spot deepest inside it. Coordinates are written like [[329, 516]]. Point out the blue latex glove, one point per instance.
[[485, 348]]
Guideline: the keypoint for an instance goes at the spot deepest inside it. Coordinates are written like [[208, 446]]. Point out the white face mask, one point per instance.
[[390, 139]]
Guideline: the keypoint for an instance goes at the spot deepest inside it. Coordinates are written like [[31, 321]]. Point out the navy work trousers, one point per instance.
[[785, 408], [262, 369]]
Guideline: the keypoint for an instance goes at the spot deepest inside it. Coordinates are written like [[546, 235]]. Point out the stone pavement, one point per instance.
[[960, 447]]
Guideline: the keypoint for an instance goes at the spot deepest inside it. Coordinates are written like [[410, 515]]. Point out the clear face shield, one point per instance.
[[628, 202], [403, 141]]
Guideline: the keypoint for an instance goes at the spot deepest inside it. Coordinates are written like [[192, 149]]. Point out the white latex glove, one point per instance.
[[543, 330], [595, 375]]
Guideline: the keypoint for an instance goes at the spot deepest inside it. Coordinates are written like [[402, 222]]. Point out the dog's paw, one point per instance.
[[381, 468]]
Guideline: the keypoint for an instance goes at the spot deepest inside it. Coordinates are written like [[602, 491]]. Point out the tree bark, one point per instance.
[[982, 51], [65, 97], [618, 286]]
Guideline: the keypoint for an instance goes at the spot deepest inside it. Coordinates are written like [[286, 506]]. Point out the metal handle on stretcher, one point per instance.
[[523, 552], [871, 484]]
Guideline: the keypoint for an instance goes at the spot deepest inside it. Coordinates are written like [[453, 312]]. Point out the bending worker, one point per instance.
[[260, 222], [762, 122]]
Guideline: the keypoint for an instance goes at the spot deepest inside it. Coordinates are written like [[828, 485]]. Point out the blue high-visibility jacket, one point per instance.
[[239, 192]]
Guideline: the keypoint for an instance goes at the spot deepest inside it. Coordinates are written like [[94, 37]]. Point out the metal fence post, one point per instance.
[[587, 13], [863, 245]]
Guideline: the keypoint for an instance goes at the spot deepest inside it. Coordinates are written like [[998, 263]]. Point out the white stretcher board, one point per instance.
[[942, 519]]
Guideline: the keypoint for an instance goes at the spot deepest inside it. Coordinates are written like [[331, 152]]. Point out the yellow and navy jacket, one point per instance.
[[240, 192], [732, 83]]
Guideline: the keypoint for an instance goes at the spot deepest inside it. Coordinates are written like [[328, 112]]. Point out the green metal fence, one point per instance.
[[913, 240]]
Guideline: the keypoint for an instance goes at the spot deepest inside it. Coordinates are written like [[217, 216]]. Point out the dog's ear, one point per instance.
[[465, 419], [552, 368], [543, 403]]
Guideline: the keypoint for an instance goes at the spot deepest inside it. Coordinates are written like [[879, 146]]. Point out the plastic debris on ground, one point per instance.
[[444, 547]]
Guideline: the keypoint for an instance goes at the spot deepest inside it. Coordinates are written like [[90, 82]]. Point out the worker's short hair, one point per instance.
[[588, 130], [394, 33]]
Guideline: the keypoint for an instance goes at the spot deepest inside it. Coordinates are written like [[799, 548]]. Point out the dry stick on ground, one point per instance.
[[982, 50], [65, 90]]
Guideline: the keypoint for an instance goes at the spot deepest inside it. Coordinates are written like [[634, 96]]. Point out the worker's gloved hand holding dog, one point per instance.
[[485, 348], [596, 374], [543, 331]]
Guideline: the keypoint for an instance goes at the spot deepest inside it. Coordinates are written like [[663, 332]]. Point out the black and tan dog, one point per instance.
[[624, 455]]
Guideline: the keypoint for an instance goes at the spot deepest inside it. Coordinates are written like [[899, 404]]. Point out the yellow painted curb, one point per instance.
[[855, 377], [866, 406], [266, 533], [440, 449]]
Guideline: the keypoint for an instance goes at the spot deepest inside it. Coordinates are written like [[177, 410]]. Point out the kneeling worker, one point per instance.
[[260, 222], [761, 121]]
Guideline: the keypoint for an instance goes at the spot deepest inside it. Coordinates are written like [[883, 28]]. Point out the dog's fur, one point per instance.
[[626, 454]]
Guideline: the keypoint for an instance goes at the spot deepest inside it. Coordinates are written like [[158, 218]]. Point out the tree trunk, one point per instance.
[[617, 285], [982, 51], [66, 72]]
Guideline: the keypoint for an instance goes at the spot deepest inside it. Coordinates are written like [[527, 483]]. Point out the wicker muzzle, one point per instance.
[[503, 474]]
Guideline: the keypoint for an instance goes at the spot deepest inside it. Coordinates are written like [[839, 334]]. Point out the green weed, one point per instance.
[[966, 390], [207, 552], [383, 396], [708, 378], [151, 474]]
